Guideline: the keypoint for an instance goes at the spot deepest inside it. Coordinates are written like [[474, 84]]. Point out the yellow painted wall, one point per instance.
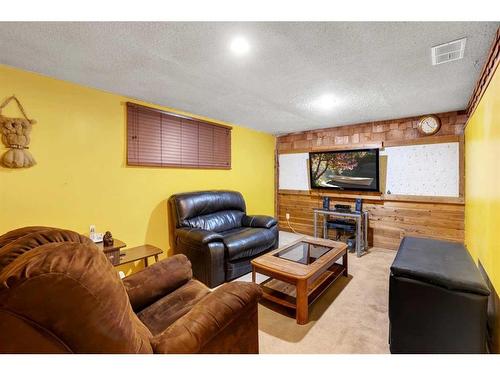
[[482, 182], [82, 178]]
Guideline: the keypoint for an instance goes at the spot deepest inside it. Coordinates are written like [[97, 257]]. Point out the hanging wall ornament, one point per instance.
[[16, 137]]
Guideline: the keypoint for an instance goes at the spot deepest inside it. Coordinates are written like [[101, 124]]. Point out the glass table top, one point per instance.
[[303, 252]]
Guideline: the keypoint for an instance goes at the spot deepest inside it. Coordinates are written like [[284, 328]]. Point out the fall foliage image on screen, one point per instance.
[[344, 170]]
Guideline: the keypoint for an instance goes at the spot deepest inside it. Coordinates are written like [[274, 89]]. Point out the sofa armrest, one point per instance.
[[258, 221], [197, 236], [152, 283], [207, 260], [207, 318]]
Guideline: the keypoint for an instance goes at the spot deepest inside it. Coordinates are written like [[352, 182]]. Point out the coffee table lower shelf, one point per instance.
[[285, 294]]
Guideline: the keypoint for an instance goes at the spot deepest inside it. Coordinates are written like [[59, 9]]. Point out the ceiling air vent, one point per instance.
[[448, 52]]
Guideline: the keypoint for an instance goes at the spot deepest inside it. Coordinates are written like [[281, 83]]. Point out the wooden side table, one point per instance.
[[138, 253], [118, 256], [112, 252]]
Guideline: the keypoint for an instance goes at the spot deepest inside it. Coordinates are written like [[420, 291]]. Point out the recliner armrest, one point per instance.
[[197, 236], [258, 221], [207, 318], [152, 283]]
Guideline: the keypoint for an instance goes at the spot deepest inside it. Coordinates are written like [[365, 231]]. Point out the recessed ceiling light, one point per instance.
[[325, 102], [240, 45]]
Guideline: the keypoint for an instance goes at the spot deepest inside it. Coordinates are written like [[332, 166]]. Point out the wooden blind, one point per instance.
[[162, 139]]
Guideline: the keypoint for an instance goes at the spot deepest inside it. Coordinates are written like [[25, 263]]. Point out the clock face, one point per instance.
[[429, 125]]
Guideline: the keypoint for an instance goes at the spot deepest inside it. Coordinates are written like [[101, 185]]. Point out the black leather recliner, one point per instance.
[[213, 230], [437, 299]]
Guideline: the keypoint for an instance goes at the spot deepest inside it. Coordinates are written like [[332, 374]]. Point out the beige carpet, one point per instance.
[[351, 317]]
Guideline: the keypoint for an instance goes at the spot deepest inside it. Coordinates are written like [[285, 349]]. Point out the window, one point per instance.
[[162, 139]]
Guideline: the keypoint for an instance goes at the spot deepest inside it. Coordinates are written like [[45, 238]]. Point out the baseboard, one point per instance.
[[493, 315]]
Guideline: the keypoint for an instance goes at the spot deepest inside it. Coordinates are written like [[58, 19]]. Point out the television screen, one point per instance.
[[345, 170]]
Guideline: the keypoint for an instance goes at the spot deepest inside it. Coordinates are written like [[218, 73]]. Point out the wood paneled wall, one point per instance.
[[391, 217], [390, 132], [390, 220]]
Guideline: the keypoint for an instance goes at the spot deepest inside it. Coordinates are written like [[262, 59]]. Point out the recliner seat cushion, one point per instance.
[[247, 242], [161, 314]]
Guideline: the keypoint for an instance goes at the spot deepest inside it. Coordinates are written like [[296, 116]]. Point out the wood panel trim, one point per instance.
[[380, 145], [423, 199], [276, 179], [333, 148], [424, 141], [486, 75], [377, 197], [461, 167]]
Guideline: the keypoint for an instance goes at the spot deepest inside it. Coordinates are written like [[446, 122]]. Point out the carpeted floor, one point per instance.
[[351, 317]]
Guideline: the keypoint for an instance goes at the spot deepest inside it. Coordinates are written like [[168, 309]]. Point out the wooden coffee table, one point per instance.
[[300, 272]]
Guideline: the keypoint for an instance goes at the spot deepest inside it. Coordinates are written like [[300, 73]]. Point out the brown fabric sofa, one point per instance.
[[59, 294]]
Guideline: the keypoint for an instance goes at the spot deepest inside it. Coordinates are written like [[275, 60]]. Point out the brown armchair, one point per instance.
[[59, 294]]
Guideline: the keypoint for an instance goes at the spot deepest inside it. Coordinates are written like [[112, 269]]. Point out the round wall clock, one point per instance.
[[429, 125]]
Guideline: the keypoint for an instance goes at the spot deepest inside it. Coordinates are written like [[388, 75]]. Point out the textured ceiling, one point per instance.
[[375, 71]]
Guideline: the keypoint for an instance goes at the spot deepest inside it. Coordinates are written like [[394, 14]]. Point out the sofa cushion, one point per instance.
[[161, 314], [229, 306], [443, 263], [247, 242], [13, 235], [35, 238], [189, 205], [258, 221], [216, 222]]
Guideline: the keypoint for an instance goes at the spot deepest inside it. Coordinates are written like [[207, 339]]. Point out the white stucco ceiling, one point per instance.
[[375, 71]]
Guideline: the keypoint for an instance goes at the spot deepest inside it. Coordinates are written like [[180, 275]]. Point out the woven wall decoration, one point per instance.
[[16, 137]]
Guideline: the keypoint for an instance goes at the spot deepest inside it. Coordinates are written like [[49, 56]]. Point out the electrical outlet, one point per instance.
[[287, 215]]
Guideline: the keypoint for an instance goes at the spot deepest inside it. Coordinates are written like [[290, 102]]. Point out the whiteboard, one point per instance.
[[429, 170], [293, 171]]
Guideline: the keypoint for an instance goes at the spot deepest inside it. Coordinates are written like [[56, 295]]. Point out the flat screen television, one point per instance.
[[345, 170]]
